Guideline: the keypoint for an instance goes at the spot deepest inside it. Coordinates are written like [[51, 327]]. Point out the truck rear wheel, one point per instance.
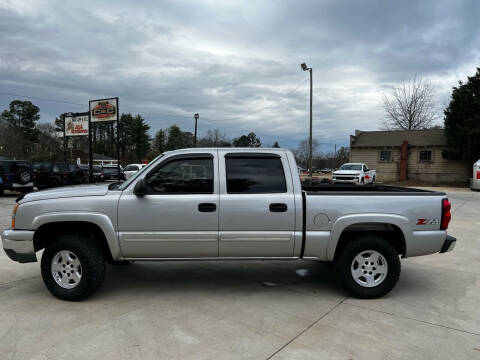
[[73, 267], [369, 267]]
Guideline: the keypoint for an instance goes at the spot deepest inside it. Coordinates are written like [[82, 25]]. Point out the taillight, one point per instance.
[[446, 216], [478, 174]]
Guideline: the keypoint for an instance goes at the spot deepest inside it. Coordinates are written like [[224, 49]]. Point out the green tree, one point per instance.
[[462, 121], [250, 140], [134, 137], [178, 139], [23, 115], [160, 142], [276, 144]]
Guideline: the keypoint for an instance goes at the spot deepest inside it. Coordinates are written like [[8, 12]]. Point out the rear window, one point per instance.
[[255, 175], [132, 168]]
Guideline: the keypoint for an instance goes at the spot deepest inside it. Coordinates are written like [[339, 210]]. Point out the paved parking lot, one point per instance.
[[251, 310]]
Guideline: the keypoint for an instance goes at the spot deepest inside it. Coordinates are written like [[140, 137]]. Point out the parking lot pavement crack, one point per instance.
[[307, 328], [413, 319]]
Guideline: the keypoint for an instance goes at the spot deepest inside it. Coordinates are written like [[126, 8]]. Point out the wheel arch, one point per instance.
[[96, 225], [393, 228]]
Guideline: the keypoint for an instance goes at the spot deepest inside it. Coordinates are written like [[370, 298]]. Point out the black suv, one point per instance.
[[16, 175], [50, 174]]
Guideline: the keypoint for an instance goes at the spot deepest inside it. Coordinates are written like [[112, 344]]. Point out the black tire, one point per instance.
[[53, 182], [92, 263], [344, 262], [78, 176]]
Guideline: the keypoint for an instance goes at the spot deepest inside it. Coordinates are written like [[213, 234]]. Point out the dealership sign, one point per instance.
[[104, 110], [76, 125]]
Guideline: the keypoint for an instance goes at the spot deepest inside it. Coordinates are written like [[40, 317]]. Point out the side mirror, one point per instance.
[[140, 188]]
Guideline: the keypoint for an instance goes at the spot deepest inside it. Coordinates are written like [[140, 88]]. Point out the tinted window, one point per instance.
[[131, 168], [350, 167], [255, 175], [44, 166], [110, 170], [183, 176]]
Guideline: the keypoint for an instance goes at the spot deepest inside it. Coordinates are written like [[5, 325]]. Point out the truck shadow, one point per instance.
[[221, 276]]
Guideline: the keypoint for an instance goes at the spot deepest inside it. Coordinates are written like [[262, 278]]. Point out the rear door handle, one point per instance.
[[278, 207], [207, 207]]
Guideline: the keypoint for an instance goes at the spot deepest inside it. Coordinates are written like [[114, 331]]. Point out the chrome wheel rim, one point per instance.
[[369, 268], [66, 269]]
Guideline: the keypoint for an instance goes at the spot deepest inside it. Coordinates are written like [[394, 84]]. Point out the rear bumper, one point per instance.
[[18, 245], [448, 245]]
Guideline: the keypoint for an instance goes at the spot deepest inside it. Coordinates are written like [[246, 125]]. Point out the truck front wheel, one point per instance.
[[369, 267], [73, 267]]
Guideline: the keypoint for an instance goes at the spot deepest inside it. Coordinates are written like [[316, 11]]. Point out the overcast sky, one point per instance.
[[237, 63]]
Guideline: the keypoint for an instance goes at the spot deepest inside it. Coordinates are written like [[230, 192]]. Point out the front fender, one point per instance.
[[101, 220], [343, 222]]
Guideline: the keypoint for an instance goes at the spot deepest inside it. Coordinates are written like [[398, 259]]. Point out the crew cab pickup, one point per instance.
[[229, 204], [354, 173]]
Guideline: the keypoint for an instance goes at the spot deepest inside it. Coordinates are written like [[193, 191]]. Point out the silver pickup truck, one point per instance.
[[229, 204]]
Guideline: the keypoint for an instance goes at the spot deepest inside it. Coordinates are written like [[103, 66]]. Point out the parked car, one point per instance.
[[228, 203], [132, 169], [475, 180], [97, 173], [326, 171], [354, 173], [16, 175], [110, 172], [50, 174]]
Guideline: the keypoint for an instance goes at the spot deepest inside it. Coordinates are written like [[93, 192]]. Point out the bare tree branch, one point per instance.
[[410, 106]]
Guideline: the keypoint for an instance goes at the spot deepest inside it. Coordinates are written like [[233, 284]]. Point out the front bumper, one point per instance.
[[343, 181], [18, 245], [448, 245]]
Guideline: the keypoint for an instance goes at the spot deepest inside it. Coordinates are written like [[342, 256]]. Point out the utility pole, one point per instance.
[[196, 116], [310, 155]]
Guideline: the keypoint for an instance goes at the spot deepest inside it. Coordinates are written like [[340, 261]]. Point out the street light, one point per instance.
[[310, 155], [196, 116]]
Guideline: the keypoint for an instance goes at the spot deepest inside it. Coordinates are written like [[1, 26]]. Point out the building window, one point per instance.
[[386, 155], [425, 156]]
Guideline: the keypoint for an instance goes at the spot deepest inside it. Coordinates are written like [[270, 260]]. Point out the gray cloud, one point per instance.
[[235, 62]]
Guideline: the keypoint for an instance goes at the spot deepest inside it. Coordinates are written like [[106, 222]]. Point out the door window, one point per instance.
[[182, 176], [251, 175]]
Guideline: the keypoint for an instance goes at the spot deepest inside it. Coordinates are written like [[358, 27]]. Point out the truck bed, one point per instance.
[[369, 190]]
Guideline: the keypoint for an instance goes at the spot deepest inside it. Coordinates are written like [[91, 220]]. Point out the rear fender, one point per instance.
[[343, 222]]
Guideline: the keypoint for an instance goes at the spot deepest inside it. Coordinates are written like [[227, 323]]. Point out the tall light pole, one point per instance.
[[310, 155], [196, 116]]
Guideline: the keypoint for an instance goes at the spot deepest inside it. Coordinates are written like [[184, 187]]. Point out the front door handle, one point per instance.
[[207, 207], [278, 207]]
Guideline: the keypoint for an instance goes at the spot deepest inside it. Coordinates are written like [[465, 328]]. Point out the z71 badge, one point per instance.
[[428, 222]]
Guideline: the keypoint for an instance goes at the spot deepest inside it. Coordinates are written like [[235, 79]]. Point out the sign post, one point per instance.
[[102, 110]]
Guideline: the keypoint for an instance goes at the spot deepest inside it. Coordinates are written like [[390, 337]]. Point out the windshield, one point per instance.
[[350, 167], [127, 182]]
